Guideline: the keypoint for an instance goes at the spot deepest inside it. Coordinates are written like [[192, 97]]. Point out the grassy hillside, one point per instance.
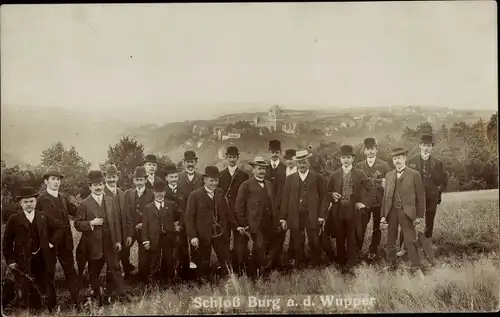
[[465, 279]]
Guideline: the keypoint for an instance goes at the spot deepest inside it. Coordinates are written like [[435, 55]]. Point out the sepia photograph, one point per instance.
[[249, 158]]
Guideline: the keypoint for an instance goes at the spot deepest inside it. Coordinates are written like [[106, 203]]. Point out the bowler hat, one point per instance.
[[232, 150], [170, 169], [346, 150], [398, 151], [95, 176], [211, 171], [111, 170], [53, 171], [190, 155], [302, 155], [370, 143], [426, 139], [274, 145], [140, 171], [159, 186], [289, 154], [27, 192], [151, 158], [258, 160]]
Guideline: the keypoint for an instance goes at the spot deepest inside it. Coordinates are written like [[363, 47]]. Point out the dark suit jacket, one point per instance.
[[88, 210], [277, 178], [200, 215], [16, 240], [412, 193], [151, 222], [121, 208], [186, 187], [45, 203], [249, 205], [383, 168], [149, 185], [438, 173], [230, 185], [316, 190], [133, 216], [180, 203], [361, 193]]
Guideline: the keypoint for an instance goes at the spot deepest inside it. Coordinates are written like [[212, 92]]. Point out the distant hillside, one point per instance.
[[28, 131]]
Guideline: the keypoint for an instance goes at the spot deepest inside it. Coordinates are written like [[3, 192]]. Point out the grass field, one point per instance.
[[467, 277]]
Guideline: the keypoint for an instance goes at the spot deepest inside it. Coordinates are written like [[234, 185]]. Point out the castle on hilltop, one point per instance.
[[270, 121]]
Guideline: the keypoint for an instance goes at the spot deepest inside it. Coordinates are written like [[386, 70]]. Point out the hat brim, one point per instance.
[[299, 158], [232, 153], [91, 181], [149, 161], [18, 198], [399, 153], [46, 175], [258, 164], [211, 175]]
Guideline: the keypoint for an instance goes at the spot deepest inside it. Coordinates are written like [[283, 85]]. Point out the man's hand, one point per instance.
[[13, 266], [97, 222], [195, 243], [419, 225], [360, 205], [51, 245], [177, 226], [147, 245], [321, 222], [336, 196], [129, 241], [241, 230], [283, 224], [383, 223], [382, 183], [139, 226], [118, 247]]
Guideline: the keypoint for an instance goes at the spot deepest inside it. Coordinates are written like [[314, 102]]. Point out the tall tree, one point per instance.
[[127, 154], [73, 166]]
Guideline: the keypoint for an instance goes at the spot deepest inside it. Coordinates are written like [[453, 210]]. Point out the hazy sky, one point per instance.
[[155, 56]]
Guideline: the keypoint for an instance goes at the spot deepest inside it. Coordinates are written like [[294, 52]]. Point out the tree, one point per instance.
[[127, 154], [492, 128], [73, 166]]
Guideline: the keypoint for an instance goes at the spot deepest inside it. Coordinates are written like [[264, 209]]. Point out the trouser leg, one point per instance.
[[430, 215], [410, 237], [314, 246], [376, 233], [65, 257], [392, 235]]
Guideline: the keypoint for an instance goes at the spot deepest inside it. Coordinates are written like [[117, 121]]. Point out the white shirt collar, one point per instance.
[[303, 175], [401, 169], [140, 191], [97, 198], [290, 171], [112, 189], [275, 163], [151, 178], [190, 173], [371, 161], [51, 192], [347, 170], [232, 169], [210, 192], [159, 203], [425, 157], [30, 216]]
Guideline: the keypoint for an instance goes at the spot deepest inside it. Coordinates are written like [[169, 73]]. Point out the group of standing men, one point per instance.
[[176, 218]]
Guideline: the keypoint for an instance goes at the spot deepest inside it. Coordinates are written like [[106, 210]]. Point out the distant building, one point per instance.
[[289, 128], [225, 137], [270, 121], [234, 135]]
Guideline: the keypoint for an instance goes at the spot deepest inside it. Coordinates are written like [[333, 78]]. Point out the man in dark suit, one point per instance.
[[256, 214], [28, 247], [151, 165], [230, 181], [189, 180], [276, 174], [209, 223], [346, 190], [301, 209], [136, 200], [159, 231], [434, 178], [376, 170], [100, 224], [403, 205], [53, 202]]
